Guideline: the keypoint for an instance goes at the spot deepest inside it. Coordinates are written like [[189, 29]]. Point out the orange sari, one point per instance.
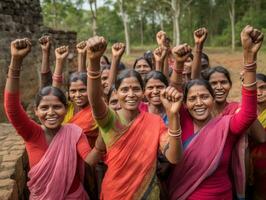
[[84, 119], [131, 157]]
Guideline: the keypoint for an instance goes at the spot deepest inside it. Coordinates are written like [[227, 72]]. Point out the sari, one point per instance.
[[258, 162], [131, 156], [52, 177], [198, 163]]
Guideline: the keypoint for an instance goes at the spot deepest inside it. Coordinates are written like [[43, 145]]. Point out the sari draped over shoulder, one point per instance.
[[52, 177], [131, 160], [84, 119], [258, 161], [198, 163]]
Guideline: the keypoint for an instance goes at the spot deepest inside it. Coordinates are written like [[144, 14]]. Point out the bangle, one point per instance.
[[94, 74], [13, 77], [251, 64], [101, 151], [58, 79], [178, 71], [249, 84], [14, 69], [57, 75], [251, 67], [176, 133]]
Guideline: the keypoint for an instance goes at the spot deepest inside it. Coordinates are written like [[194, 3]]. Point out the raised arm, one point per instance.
[[159, 56], [81, 49], [60, 58], [172, 101], [180, 53], [96, 46], [46, 74], [200, 35], [251, 40], [118, 50]]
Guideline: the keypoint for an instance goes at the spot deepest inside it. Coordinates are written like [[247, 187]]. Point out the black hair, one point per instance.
[[106, 59], [202, 82], [82, 76], [148, 55], [220, 69], [191, 56], [104, 67], [261, 77], [156, 75], [143, 58], [127, 73], [45, 91], [205, 56], [121, 66]]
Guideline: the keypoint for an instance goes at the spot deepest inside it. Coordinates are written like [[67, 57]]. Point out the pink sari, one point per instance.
[[52, 177], [198, 163]]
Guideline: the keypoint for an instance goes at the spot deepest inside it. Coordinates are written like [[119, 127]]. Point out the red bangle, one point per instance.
[[178, 71]]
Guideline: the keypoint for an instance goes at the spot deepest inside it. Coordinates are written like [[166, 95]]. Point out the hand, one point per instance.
[[45, 42], [161, 38], [171, 100], [96, 47], [61, 53], [99, 143], [251, 40], [81, 47], [20, 48], [118, 50], [181, 52], [200, 35], [160, 53]]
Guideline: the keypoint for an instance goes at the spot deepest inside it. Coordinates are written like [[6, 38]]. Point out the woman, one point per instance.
[[112, 99], [142, 66], [55, 152], [208, 142], [127, 133], [155, 82], [258, 151]]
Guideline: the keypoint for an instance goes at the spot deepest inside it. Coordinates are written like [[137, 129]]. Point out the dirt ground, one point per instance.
[[233, 61]]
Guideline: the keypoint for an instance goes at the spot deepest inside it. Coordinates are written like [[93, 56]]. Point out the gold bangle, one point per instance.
[[94, 75], [13, 69], [249, 84], [13, 77], [176, 133]]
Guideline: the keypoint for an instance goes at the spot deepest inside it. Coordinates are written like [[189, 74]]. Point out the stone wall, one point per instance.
[[13, 165], [19, 19]]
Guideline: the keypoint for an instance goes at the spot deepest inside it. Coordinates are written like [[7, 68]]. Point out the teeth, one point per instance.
[[51, 119], [219, 93], [131, 101], [200, 111]]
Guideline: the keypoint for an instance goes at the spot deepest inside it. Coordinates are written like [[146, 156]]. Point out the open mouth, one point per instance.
[[200, 111], [219, 94], [52, 120]]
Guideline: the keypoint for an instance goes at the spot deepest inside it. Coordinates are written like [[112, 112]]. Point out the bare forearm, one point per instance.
[[57, 77], [93, 157], [175, 150], [45, 62], [166, 68], [81, 62], [94, 87], [176, 77], [196, 64], [249, 76], [113, 71]]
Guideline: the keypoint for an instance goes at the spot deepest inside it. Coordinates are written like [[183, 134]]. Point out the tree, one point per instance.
[[232, 20], [93, 8]]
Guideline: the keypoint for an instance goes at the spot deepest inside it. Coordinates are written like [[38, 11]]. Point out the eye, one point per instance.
[[72, 91], [213, 83], [136, 89], [191, 99], [224, 82], [113, 102], [149, 88], [206, 96], [124, 89], [82, 90], [44, 107]]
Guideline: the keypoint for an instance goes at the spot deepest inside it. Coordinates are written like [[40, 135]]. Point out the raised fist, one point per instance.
[[45, 42], [251, 39], [200, 35], [20, 48], [118, 49], [181, 52], [81, 47], [160, 53], [171, 100], [61, 52], [96, 46], [161, 38]]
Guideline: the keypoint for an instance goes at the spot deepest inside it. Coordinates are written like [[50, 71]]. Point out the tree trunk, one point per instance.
[[176, 13], [232, 20], [125, 23], [94, 16], [55, 14], [141, 30]]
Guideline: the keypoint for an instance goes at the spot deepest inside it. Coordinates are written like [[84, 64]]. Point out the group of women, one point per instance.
[[162, 130]]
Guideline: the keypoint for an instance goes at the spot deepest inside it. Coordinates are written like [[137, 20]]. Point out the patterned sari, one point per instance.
[[258, 161]]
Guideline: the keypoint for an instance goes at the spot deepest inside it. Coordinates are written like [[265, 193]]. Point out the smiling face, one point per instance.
[[220, 85], [130, 93], [104, 79], [51, 112], [152, 91], [78, 93], [199, 102], [113, 101], [261, 92], [142, 67]]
